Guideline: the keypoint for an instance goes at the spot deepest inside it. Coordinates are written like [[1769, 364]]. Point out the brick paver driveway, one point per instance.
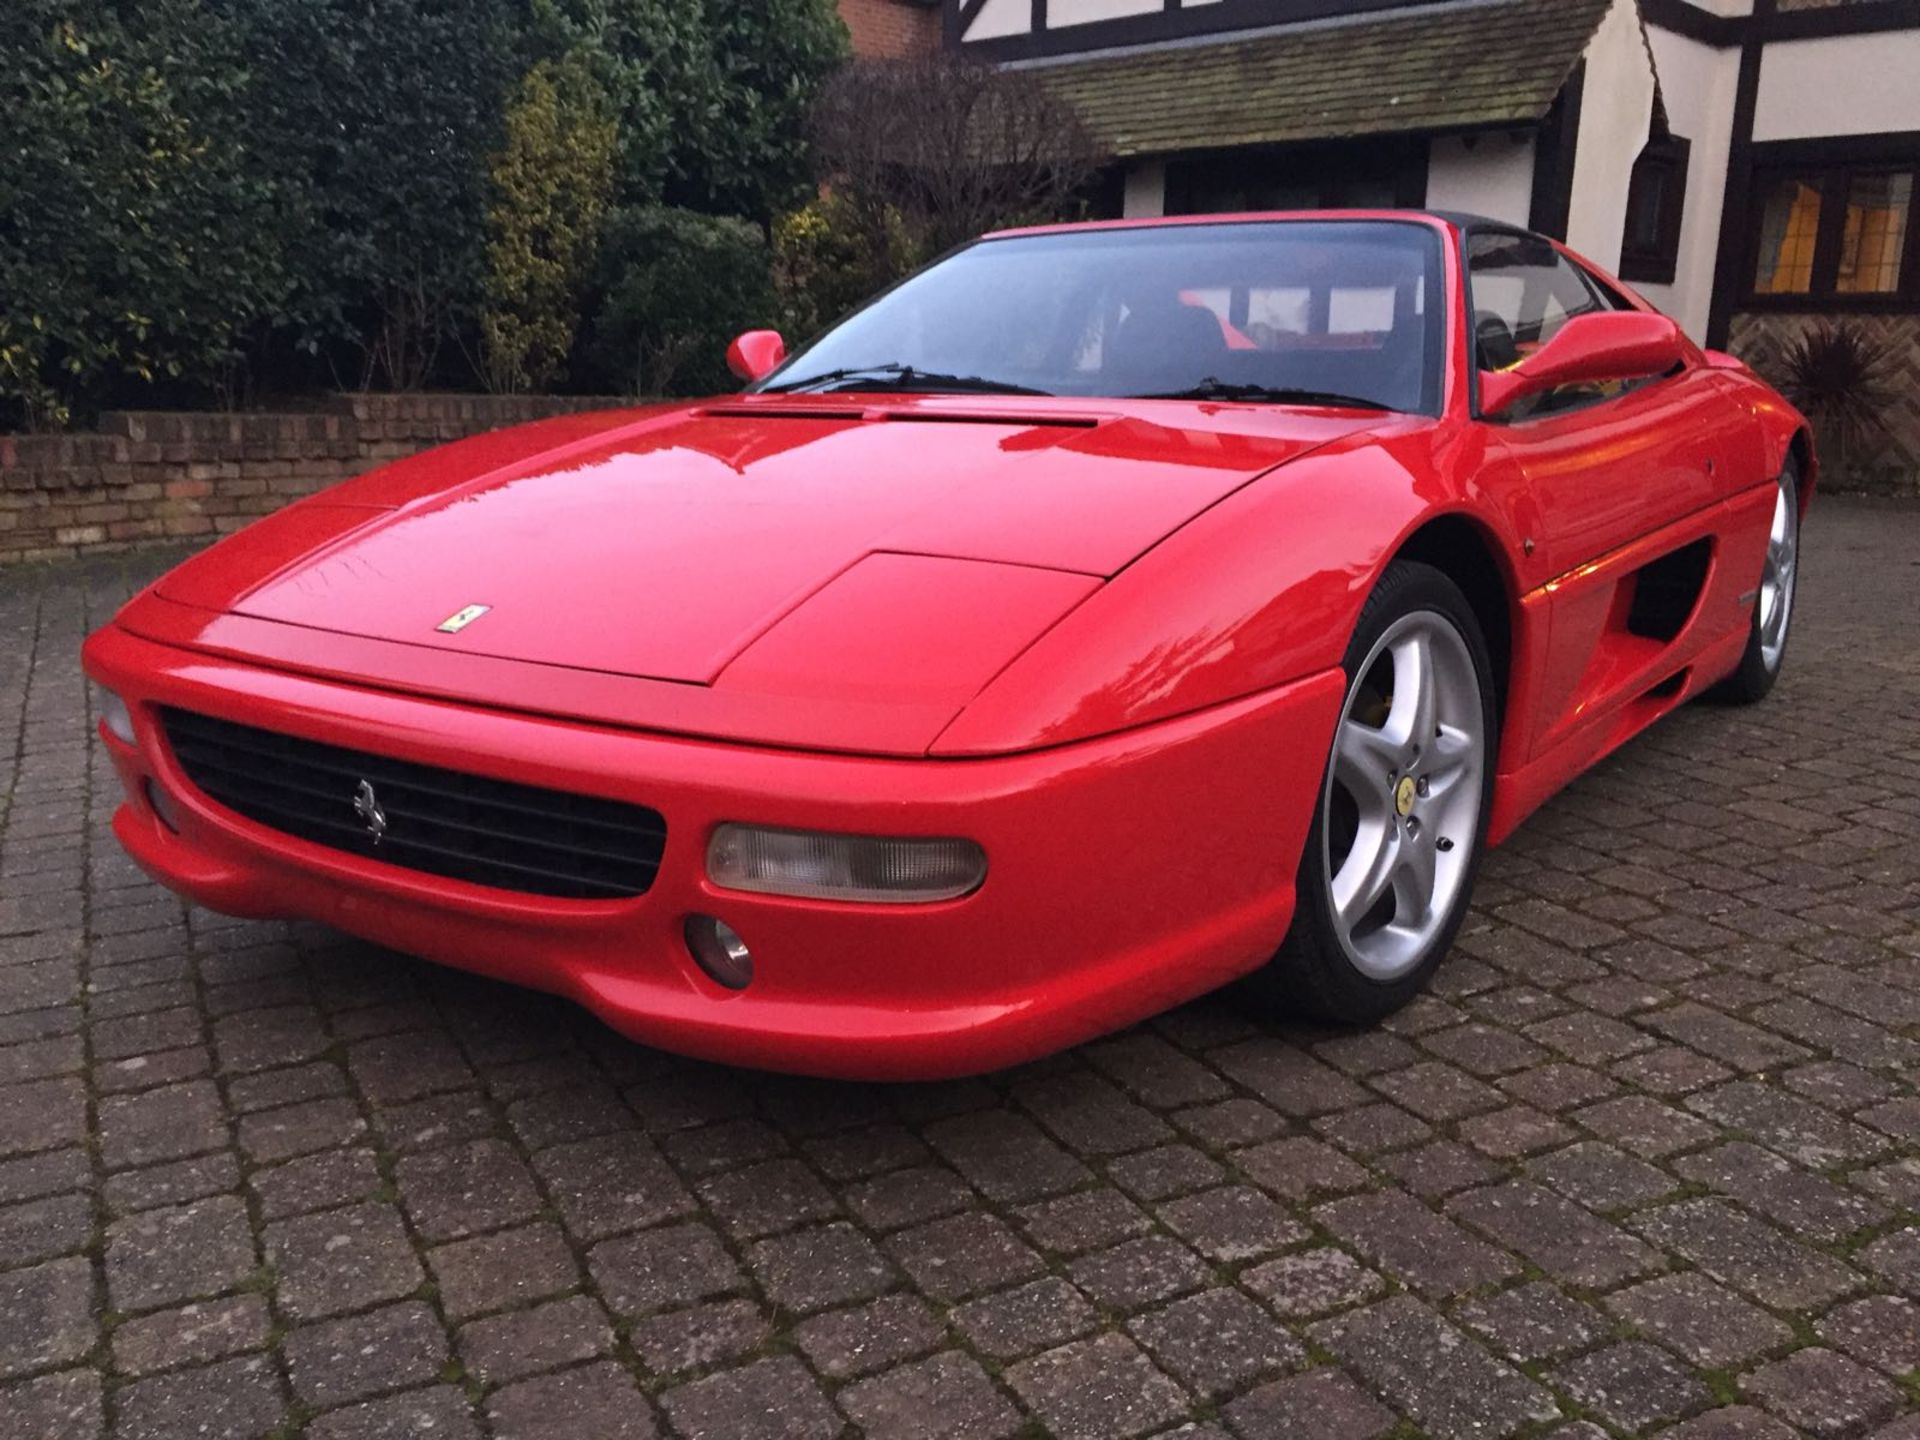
[[1647, 1159]]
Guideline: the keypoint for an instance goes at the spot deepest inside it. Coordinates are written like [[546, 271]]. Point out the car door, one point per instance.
[[1605, 465], [1625, 481]]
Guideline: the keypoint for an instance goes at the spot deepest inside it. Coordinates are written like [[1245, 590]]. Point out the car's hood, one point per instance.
[[667, 544]]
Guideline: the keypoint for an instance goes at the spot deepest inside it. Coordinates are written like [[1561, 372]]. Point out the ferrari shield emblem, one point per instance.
[[460, 619]]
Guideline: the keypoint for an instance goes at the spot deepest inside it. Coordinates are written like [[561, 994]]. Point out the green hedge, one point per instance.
[[674, 286], [136, 238], [208, 200]]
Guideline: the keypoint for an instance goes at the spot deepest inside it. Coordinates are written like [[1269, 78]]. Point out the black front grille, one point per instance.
[[444, 822]]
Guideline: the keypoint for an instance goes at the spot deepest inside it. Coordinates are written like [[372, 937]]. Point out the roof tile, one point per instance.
[[1489, 64]]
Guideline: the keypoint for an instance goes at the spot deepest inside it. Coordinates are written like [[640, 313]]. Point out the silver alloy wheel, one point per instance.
[[1777, 576], [1403, 794]]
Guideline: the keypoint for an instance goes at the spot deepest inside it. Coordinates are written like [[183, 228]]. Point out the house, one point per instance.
[[1749, 165], [891, 29]]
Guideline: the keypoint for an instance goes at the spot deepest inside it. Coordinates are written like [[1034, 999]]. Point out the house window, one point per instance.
[[1656, 196], [1875, 236], [1789, 228], [1836, 236], [1381, 174]]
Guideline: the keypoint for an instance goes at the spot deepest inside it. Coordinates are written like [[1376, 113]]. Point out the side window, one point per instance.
[[1523, 292], [1610, 297]]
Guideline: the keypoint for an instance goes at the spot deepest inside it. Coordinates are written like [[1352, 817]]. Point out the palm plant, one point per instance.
[[1842, 378]]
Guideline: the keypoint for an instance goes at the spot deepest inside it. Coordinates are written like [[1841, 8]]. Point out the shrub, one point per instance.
[[201, 197], [744, 150], [1843, 379], [711, 96], [830, 257], [134, 242], [674, 288], [552, 182], [373, 121]]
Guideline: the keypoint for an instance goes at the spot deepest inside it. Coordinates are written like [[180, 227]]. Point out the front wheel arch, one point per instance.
[[1459, 549], [1800, 451]]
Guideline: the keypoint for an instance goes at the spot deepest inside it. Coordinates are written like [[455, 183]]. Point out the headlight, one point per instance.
[[116, 717], [867, 868]]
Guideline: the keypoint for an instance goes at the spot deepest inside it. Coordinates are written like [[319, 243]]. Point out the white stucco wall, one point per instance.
[[1490, 175], [1015, 17], [1841, 85], [1145, 196], [1616, 108], [1001, 17], [1698, 84], [1083, 12]]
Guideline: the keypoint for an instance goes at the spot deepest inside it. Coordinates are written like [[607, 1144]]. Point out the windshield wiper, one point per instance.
[[1213, 389], [896, 376]]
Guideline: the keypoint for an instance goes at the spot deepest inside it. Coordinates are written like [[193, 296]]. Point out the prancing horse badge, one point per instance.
[[367, 806], [460, 619]]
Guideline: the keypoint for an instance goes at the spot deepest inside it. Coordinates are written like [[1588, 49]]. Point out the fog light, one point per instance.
[[161, 803], [116, 717], [720, 951], [867, 868]]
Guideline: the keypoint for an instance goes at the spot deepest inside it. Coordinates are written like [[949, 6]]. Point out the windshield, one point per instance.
[[1308, 311]]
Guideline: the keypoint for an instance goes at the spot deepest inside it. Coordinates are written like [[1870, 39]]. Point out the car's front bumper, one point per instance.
[[1125, 874]]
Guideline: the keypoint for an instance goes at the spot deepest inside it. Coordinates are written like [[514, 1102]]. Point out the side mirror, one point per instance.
[[1591, 349], [756, 354]]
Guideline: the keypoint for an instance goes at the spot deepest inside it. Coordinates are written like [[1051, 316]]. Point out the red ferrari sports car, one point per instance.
[[1103, 614]]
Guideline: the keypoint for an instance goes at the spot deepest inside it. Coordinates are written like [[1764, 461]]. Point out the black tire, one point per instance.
[[1754, 677], [1312, 975]]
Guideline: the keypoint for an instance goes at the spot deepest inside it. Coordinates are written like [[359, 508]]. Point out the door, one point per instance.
[[1604, 464], [1626, 480]]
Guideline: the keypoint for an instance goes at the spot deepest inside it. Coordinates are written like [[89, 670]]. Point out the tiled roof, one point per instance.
[[1477, 65]]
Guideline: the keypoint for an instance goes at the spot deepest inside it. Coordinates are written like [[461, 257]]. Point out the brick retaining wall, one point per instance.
[[160, 475], [163, 475]]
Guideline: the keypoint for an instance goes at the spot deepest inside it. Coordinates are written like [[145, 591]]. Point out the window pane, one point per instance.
[[1646, 203], [1275, 311], [1333, 305], [1364, 175], [1789, 226], [1523, 292], [1876, 233], [1360, 310]]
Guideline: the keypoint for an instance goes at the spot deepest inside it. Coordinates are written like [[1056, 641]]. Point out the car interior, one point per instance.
[[1343, 327]]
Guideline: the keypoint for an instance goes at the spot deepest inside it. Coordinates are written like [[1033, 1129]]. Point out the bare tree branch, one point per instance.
[[952, 146]]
